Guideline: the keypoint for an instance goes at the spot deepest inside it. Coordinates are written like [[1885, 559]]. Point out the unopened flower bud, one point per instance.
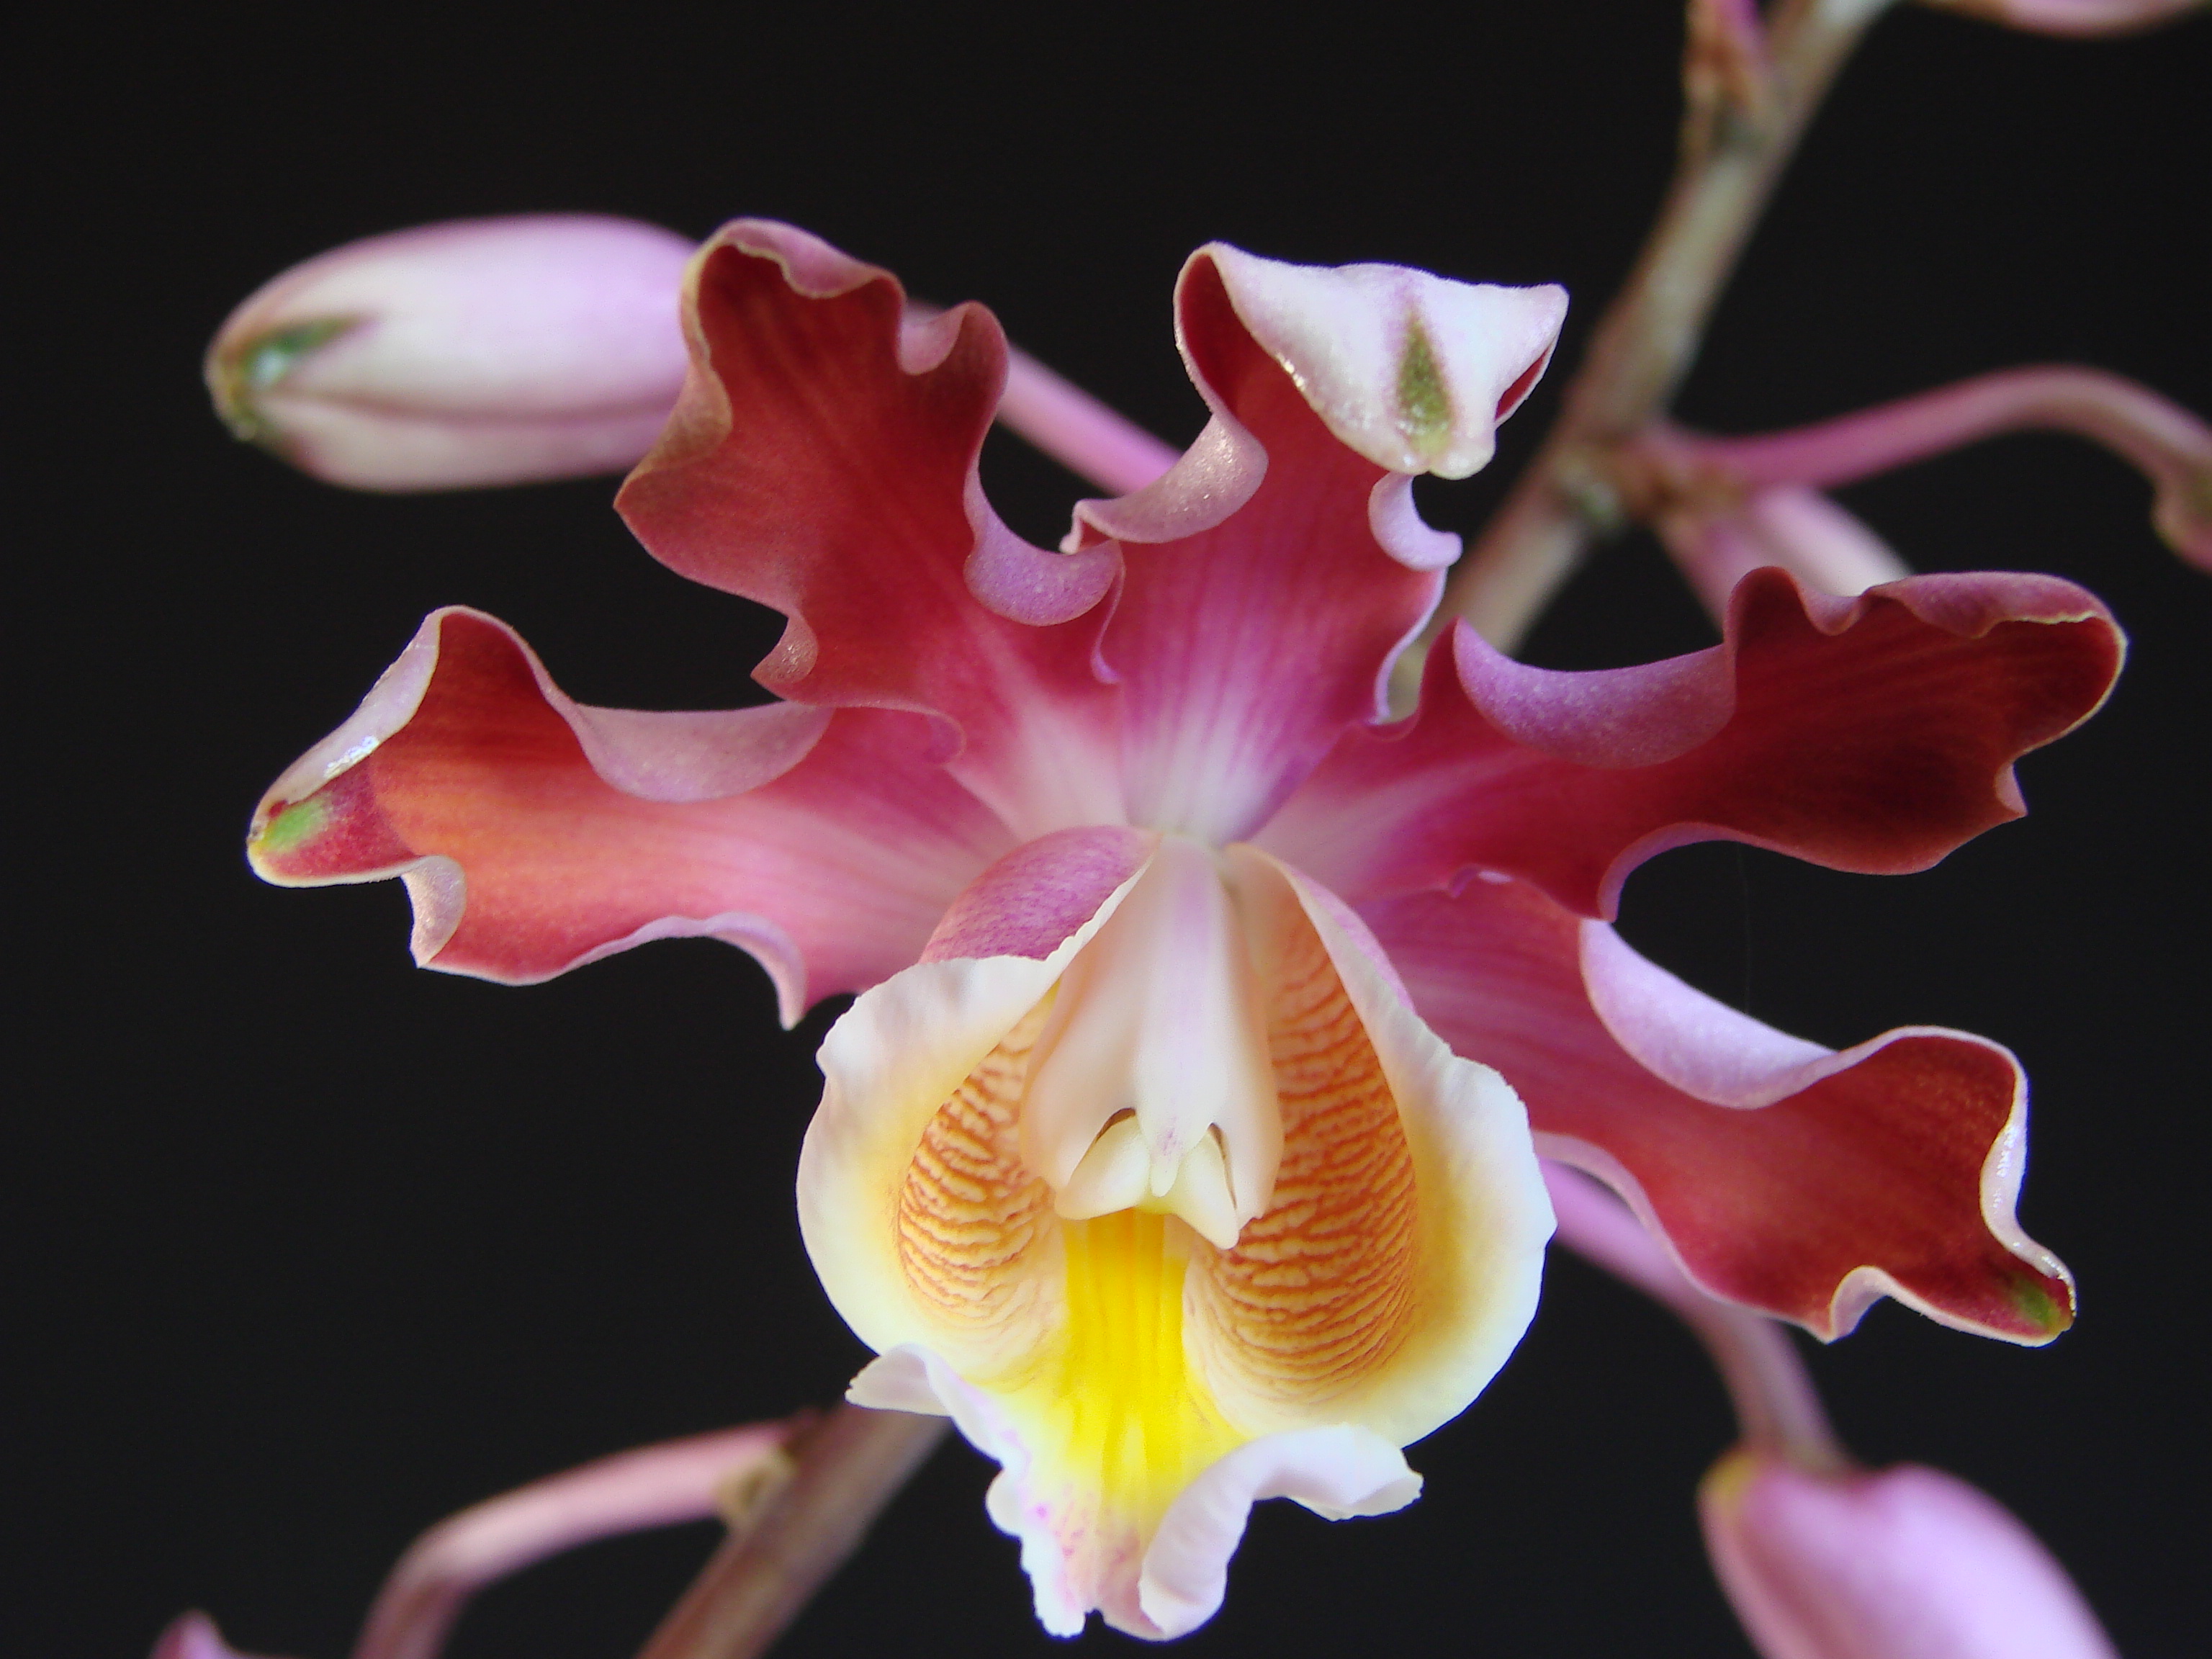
[[2075, 17], [194, 1636], [1905, 1562], [485, 351]]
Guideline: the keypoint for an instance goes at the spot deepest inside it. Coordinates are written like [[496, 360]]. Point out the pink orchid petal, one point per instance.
[[481, 351], [1777, 1407], [194, 1636], [822, 461], [1411, 370], [1905, 1562], [1813, 1184], [1273, 572], [1033, 900], [535, 833], [1874, 734]]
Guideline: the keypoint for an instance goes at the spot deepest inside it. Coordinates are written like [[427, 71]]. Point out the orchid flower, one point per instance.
[[1181, 1143]]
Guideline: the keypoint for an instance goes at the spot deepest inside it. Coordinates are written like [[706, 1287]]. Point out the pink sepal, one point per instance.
[[1907, 1563], [535, 833], [1874, 734], [1411, 370], [822, 461], [1274, 574], [1783, 1176]]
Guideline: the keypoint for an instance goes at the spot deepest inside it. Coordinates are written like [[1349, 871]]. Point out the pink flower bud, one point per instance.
[[1907, 1563], [193, 1636], [2074, 16], [485, 351]]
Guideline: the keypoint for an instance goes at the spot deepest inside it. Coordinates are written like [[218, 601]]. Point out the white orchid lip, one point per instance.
[[1188, 1210], [1150, 1086]]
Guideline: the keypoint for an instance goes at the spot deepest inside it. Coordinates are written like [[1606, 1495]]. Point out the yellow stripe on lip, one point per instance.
[[1123, 1395]]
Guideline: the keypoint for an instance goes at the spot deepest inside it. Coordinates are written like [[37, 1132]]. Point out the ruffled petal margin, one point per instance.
[[1275, 572], [1800, 1181], [822, 461], [1338, 1472], [535, 833], [1874, 734]]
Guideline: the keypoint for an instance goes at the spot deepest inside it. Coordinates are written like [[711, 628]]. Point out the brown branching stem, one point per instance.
[[1734, 153], [846, 1468]]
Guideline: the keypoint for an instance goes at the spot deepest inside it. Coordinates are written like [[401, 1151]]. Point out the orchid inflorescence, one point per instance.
[[1228, 914]]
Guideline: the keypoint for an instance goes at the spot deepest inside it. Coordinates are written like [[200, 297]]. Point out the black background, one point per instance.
[[316, 1247]]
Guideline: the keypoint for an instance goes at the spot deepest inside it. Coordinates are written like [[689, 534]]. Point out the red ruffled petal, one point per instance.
[[822, 461], [1890, 1169], [535, 833], [1873, 734]]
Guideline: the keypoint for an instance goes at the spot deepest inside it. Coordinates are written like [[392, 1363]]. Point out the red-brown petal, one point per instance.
[[822, 461], [535, 833], [1875, 734], [1887, 1168]]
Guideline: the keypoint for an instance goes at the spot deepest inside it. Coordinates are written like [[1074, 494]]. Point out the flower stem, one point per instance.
[[1649, 337], [849, 1465], [1777, 1409], [2168, 444], [654, 1486], [1077, 430]]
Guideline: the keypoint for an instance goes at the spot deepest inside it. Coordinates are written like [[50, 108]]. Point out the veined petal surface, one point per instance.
[[1873, 733], [822, 461], [535, 833], [1274, 572], [1803, 1183]]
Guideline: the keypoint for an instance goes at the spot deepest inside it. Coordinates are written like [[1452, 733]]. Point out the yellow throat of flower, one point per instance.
[[1127, 1404]]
